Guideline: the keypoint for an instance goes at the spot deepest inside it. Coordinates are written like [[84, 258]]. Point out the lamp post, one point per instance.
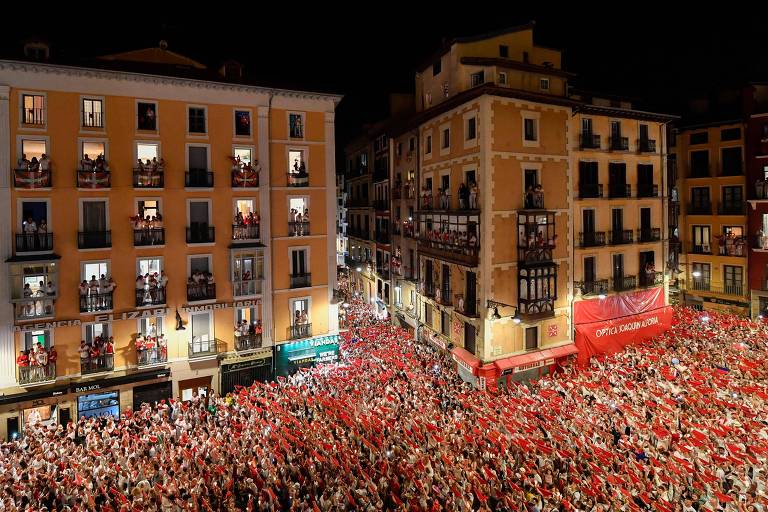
[[495, 305]]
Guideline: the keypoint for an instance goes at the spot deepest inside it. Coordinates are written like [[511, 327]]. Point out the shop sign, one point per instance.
[[222, 305], [40, 326], [131, 315], [244, 365], [292, 356], [529, 366]]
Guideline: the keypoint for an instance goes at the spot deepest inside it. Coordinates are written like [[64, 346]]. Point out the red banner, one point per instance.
[[617, 306], [611, 336]]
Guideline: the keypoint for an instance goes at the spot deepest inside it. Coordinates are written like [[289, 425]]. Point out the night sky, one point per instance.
[[644, 52]]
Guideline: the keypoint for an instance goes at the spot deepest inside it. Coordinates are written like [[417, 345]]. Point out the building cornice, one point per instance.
[[79, 72]]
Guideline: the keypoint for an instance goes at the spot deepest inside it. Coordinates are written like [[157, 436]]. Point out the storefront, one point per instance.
[[533, 365], [191, 388], [291, 357], [99, 405], [245, 371], [152, 393], [466, 364], [606, 326]]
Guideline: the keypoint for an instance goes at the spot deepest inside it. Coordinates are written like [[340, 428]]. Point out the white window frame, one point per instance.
[[207, 155], [141, 258], [205, 255], [542, 81], [156, 131], [160, 318], [82, 200], [536, 118], [305, 157], [136, 144], [235, 136], [471, 143], [295, 248], [85, 325], [581, 217], [443, 127], [538, 337], [503, 80], [93, 129], [211, 323], [197, 135], [303, 124], [22, 334], [533, 166], [249, 147], [208, 200], [20, 211], [20, 145], [293, 301], [428, 145], [95, 140], [258, 255], [32, 127], [83, 263]]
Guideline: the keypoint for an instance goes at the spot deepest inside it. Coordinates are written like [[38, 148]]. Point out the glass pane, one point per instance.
[[147, 151], [33, 148]]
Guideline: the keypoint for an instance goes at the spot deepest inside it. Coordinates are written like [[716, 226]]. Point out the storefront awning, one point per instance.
[[523, 360], [465, 358]]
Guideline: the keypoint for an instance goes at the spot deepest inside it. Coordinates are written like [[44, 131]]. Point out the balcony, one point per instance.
[[589, 141], [95, 302], [31, 375], [30, 180], [299, 228], [93, 180], [619, 143], [382, 237], [298, 331], [590, 190], [645, 235], [297, 179], [595, 287], [646, 145], [397, 192], [704, 285], [592, 239], [459, 250], [621, 284], [381, 205], [731, 209], [649, 279], [34, 242], [383, 272], [33, 308], [245, 342], [534, 309], [94, 239], [198, 178], [359, 233], [148, 353], [150, 297], [98, 364], [148, 237], [201, 234], [301, 280], [148, 179], [245, 178], [247, 287], [620, 237], [700, 249], [736, 246], [619, 190], [700, 209], [200, 348], [428, 289], [469, 308], [201, 291], [245, 232], [647, 190]]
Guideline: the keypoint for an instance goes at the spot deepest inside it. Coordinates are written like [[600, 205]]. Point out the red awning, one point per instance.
[[534, 357], [465, 357]]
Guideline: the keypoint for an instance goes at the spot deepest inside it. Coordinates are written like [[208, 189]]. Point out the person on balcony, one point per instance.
[[305, 222], [463, 196], [85, 352], [52, 356], [41, 358], [473, 192], [100, 164], [42, 233], [444, 199], [86, 164], [163, 282], [538, 196], [30, 229], [45, 163], [22, 361], [34, 165], [23, 163]]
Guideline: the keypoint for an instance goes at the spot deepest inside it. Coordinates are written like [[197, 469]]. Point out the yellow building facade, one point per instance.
[[224, 237], [713, 218]]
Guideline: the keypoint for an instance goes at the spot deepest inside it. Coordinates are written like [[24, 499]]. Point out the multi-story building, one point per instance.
[[342, 243], [498, 206], [360, 218], [756, 141], [224, 173], [714, 250]]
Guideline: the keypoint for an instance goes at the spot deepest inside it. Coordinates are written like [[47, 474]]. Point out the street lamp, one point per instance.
[[359, 269], [696, 273], [494, 305]]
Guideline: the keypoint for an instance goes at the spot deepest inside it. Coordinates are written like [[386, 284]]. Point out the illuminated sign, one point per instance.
[[289, 357]]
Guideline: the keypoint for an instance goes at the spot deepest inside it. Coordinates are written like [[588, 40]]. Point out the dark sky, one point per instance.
[[642, 50]]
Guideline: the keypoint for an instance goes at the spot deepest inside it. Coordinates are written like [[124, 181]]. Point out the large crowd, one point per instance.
[[679, 423]]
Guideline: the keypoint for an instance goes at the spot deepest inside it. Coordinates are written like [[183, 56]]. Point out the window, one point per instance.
[[34, 109], [701, 239], [244, 154], [151, 326], [34, 338], [437, 67], [727, 134], [32, 148], [202, 337], [93, 113], [765, 131], [471, 128], [296, 125], [247, 272], [531, 338], [477, 78], [428, 314], [300, 312], [94, 269], [446, 139], [196, 118], [544, 84], [701, 275], [733, 197], [531, 134], [93, 331], [503, 51], [411, 144], [732, 279], [299, 264], [445, 323], [428, 149], [147, 151], [242, 123], [399, 149], [502, 78], [146, 113], [699, 138], [149, 266], [93, 149], [731, 158], [699, 164]]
